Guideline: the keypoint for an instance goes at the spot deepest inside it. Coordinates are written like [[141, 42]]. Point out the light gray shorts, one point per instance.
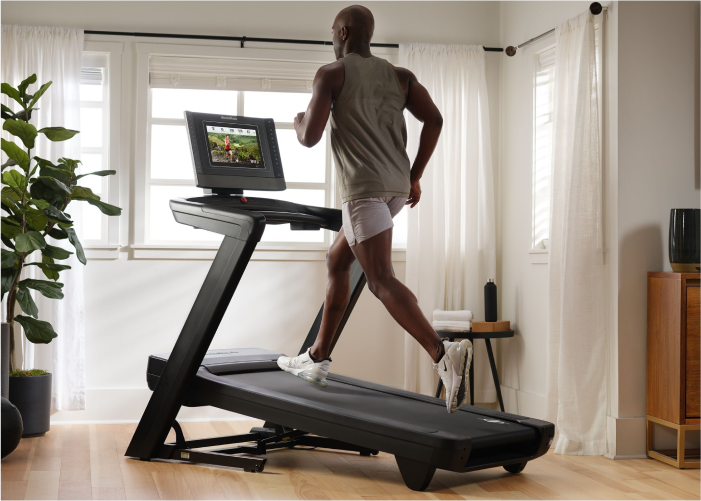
[[366, 217]]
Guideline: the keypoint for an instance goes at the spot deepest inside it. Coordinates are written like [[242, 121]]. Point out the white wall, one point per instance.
[[658, 165], [137, 307], [523, 277]]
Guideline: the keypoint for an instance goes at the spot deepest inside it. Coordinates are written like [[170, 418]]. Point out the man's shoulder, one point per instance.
[[403, 74], [331, 69]]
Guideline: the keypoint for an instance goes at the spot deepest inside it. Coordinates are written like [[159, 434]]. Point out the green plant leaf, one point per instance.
[[37, 331], [105, 208], [7, 113], [22, 87], [62, 175], [7, 279], [36, 219], [23, 130], [50, 265], [13, 151], [9, 230], [57, 216], [26, 302], [82, 193], [69, 163], [8, 259], [52, 290], [15, 179], [12, 92], [48, 272], [99, 173], [43, 192], [55, 252], [54, 184], [58, 233], [40, 204], [58, 133], [10, 162], [30, 241], [73, 238], [7, 242], [38, 94]]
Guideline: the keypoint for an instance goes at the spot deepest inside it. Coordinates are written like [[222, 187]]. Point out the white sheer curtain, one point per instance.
[[451, 235], [54, 54], [577, 336]]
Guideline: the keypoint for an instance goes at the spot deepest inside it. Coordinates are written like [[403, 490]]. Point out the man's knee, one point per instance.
[[379, 284], [337, 264]]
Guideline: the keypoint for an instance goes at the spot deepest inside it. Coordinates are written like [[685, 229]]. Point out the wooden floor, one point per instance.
[[87, 462]]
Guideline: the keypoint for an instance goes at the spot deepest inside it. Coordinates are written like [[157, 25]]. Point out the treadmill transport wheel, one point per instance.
[[515, 468]]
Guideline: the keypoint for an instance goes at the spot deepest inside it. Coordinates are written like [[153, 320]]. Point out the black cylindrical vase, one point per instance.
[[32, 396], [490, 301], [685, 240]]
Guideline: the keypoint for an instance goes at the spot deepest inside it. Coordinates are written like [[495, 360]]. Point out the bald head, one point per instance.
[[352, 30]]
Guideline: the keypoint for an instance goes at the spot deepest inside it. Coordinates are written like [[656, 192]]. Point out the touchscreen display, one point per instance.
[[234, 146]]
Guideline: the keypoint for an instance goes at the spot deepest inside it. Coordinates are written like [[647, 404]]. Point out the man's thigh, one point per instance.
[[340, 256], [375, 255]]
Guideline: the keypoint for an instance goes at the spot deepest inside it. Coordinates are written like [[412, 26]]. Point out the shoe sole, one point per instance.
[[300, 373], [465, 360]]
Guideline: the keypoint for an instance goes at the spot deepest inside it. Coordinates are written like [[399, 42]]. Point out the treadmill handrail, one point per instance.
[[275, 211]]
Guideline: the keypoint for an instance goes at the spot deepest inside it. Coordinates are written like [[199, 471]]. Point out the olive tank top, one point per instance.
[[368, 132]]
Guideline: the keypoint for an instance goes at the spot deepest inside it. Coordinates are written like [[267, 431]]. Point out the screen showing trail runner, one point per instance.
[[234, 146]]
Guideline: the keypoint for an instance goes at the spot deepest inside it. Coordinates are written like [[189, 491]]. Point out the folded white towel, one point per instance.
[[454, 326], [457, 315]]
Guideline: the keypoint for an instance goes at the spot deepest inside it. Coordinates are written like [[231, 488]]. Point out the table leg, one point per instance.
[[495, 376], [472, 375]]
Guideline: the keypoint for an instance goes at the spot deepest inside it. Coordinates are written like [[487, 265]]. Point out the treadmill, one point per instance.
[[348, 414]]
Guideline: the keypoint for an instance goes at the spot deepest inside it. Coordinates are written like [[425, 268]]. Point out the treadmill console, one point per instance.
[[233, 153]]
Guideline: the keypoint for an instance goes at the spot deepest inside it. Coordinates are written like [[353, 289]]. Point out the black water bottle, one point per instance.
[[490, 301]]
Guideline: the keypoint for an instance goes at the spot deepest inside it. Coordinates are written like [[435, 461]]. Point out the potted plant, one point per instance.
[[35, 195]]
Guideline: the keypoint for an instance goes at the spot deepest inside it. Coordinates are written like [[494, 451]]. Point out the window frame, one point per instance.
[[114, 187], [537, 252], [309, 60], [327, 185]]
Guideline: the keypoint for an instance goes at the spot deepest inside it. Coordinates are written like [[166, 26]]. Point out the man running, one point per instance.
[[227, 149], [366, 97]]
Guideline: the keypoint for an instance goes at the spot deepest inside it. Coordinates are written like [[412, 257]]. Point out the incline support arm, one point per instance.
[[197, 333]]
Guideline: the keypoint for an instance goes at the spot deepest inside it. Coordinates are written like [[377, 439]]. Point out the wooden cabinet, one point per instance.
[[673, 353]]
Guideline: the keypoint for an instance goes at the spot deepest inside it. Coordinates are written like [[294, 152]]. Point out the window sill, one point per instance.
[[262, 253], [102, 252], [538, 256]]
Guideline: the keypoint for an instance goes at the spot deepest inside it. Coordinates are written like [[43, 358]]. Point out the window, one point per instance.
[[542, 158], [270, 83], [170, 172], [94, 137], [544, 85]]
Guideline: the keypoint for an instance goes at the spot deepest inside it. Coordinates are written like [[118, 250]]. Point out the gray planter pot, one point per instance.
[[32, 396], [5, 365]]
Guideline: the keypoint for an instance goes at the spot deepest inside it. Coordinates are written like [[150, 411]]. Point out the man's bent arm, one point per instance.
[[310, 125], [420, 104]]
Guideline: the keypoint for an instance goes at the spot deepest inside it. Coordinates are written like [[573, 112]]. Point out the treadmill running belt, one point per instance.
[[354, 398]]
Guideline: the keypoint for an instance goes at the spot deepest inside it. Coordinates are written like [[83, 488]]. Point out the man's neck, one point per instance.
[[362, 50]]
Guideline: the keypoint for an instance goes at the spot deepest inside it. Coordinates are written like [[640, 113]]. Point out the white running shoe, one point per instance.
[[304, 367], [453, 368]]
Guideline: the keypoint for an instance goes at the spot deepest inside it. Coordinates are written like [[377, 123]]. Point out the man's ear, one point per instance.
[[344, 33]]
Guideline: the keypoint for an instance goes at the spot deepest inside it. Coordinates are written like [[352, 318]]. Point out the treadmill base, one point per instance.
[[247, 457]]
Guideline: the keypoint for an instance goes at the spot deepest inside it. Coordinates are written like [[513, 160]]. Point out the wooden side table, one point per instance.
[[453, 335], [673, 367]]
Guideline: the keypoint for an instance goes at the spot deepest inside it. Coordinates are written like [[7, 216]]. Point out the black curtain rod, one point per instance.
[[243, 40], [595, 8]]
